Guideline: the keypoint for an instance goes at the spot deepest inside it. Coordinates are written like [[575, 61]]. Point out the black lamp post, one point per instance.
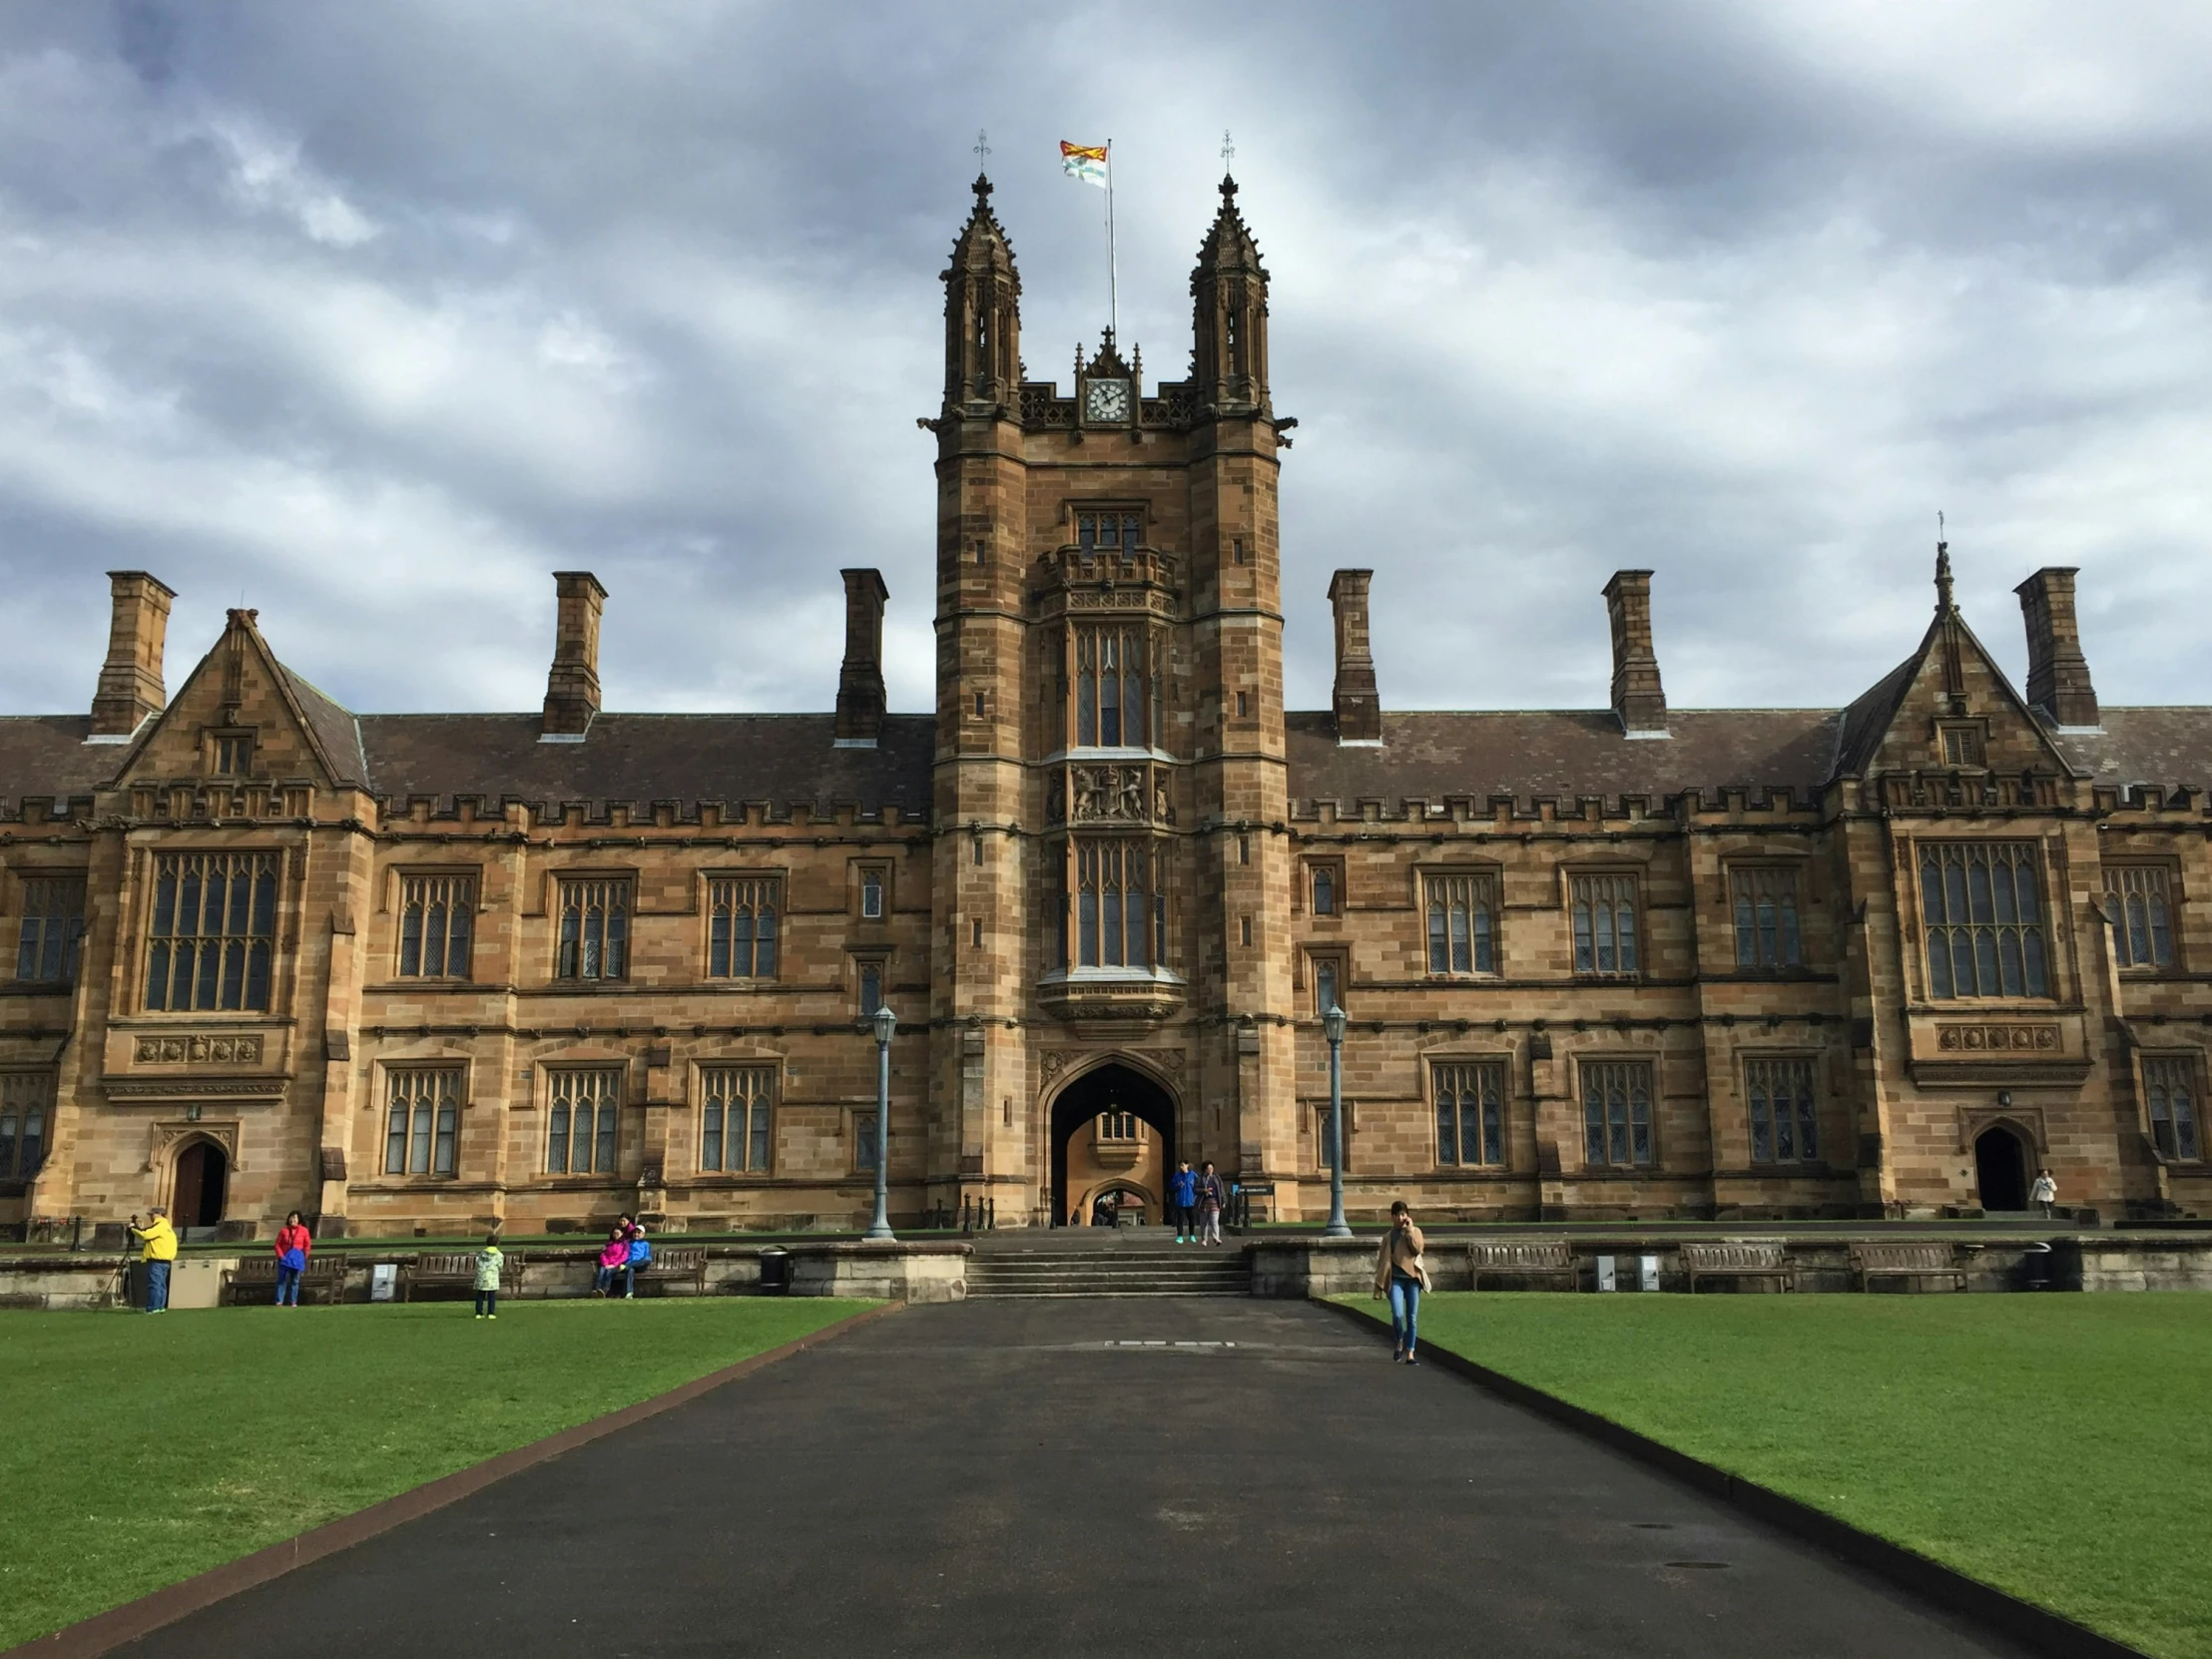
[[1332, 1026], [886, 1026]]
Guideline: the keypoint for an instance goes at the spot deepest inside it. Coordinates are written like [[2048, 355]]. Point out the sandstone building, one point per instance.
[[422, 973]]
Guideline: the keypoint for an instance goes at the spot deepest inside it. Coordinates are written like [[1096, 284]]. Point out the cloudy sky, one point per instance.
[[370, 316]]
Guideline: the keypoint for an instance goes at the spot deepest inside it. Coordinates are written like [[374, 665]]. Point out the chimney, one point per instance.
[[1639, 700], [861, 680], [572, 688], [1358, 706], [131, 679], [2058, 685]]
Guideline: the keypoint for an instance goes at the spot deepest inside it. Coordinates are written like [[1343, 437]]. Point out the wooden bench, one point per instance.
[[254, 1281], [1924, 1260], [1739, 1258], [453, 1271], [675, 1266], [1524, 1261]]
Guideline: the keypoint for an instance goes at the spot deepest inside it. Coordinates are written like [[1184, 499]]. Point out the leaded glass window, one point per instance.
[[1326, 990], [1604, 910], [1463, 924], [871, 988], [214, 928], [436, 914], [1785, 1125], [595, 930], [871, 895], [1117, 686], [1470, 1113], [53, 930], [733, 1124], [1616, 1113], [1766, 903], [742, 927], [422, 1121], [26, 1108], [580, 1134], [863, 1142], [1983, 908], [2170, 1082], [2142, 921], [1108, 532], [1114, 914], [1324, 890]]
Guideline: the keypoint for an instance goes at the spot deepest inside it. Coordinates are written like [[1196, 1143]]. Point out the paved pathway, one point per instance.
[[1105, 1476]]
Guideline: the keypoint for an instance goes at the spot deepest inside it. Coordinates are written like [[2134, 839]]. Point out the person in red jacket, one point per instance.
[[292, 1244]]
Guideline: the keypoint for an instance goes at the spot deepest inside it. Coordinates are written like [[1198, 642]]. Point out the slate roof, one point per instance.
[[2169, 747], [46, 755], [335, 728]]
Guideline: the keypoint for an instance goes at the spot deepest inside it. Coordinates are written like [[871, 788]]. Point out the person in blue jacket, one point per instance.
[[1183, 1202]]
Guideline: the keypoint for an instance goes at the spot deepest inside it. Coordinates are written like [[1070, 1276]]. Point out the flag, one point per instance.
[[1086, 162]]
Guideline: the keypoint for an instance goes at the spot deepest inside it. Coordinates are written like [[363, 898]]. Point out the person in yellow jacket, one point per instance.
[[159, 1240]]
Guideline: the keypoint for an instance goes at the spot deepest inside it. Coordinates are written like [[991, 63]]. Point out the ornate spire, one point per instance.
[[982, 311], [1229, 295]]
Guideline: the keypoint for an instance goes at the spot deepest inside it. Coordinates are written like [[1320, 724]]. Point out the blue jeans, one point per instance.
[[603, 1279], [287, 1284], [156, 1287], [1404, 1310]]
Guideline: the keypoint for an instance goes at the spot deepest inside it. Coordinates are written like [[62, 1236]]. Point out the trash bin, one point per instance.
[[776, 1272], [2035, 1268]]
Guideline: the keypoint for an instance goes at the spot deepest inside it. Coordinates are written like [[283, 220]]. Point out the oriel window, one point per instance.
[[1107, 532], [1117, 688], [1766, 917], [1463, 924], [1785, 1125], [579, 1132], [53, 930], [26, 1107], [742, 927], [436, 914], [1982, 911], [2170, 1083], [1470, 1113], [595, 930], [1113, 904], [733, 1122], [1604, 910], [1116, 1126], [1616, 1113], [2142, 924], [212, 932], [422, 1121]]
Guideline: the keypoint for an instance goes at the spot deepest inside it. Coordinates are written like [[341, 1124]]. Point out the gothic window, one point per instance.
[[1983, 913], [1783, 1121], [232, 754], [871, 895], [2170, 1086], [422, 1121], [1325, 1142], [1604, 910], [870, 978], [1116, 1126], [580, 1137], [1114, 914], [1107, 532], [214, 928], [1962, 746], [594, 928], [741, 927], [1329, 981], [1470, 1113], [1117, 688], [1766, 903], [1324, 890], [26, 1101], [435, 916], [733, 1124], [53, 928], [2142, 915], [1616, 1113], [863, 1142], [1463, 924]]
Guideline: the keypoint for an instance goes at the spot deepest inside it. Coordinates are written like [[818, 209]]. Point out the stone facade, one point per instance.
[[419, 975]]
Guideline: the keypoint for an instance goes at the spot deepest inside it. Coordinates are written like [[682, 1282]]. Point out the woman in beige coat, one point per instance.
[[1401, 1275]]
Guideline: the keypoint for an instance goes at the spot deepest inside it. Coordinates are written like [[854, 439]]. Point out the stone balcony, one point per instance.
[[1146, 994]]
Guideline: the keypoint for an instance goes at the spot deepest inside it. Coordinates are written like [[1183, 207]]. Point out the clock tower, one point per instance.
[[1111, 880]]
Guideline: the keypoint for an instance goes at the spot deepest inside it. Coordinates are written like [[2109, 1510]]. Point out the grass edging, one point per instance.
[[104, 1632], [2008, 1615]]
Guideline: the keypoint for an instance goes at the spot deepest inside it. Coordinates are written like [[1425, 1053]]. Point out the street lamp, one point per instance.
[[886, 1026], [1332, 1026]]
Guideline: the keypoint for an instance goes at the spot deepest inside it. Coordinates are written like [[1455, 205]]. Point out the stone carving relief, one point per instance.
[[166, 1136], [200, 1048], [1996, 1039], [1120, 795]]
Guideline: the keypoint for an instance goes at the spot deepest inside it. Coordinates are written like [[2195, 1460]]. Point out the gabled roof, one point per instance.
[[337, 730]]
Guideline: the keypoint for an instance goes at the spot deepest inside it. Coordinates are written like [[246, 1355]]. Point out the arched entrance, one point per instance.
[[203, 1174], [1113, 1130], [2000, 1167]]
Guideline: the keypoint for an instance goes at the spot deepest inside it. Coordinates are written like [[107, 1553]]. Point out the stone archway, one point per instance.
[[199, 1181], [2001, 1163], [1113, 1128]]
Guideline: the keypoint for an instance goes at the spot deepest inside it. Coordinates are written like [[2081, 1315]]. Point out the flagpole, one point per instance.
[[1113, 269]]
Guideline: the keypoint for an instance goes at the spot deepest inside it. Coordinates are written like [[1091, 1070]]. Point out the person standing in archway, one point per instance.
[[1213, 1198], [1183, 1203], [292, 1244], [2044, 1192], [1401, 1275]]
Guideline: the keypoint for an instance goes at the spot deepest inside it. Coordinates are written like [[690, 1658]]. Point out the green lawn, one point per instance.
[[2059, 1447], [141, 1451]]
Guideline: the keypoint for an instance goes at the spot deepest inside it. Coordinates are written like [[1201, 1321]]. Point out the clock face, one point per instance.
[[1106, 400]]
